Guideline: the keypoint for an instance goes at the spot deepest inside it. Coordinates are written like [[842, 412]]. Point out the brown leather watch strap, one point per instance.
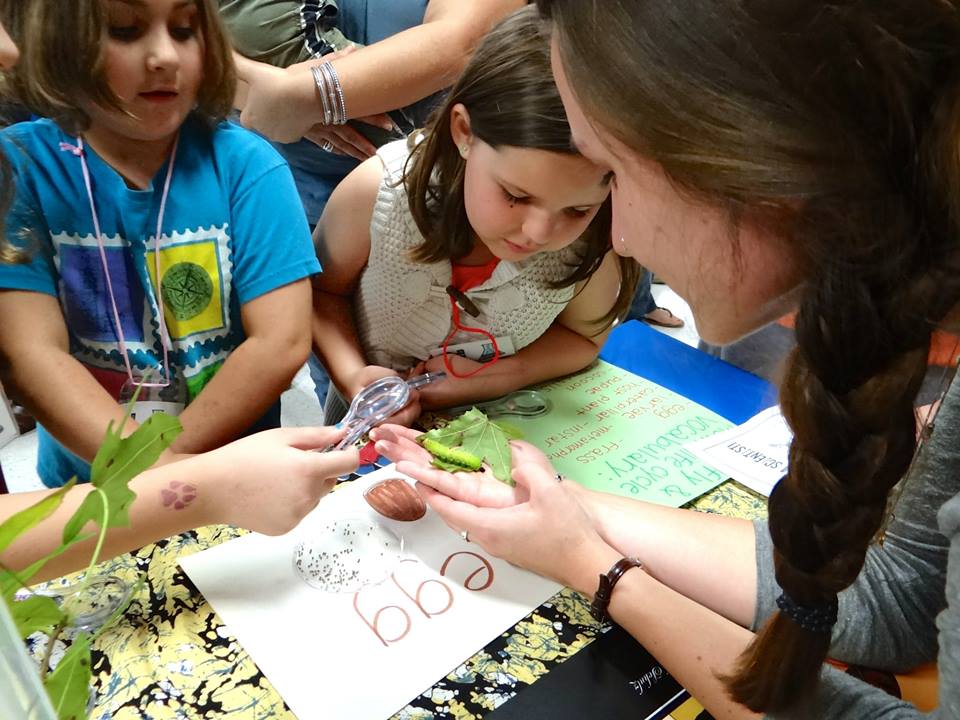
[[601, 599]]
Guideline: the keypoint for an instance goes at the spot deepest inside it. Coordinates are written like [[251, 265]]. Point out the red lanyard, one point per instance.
[[457, 325]]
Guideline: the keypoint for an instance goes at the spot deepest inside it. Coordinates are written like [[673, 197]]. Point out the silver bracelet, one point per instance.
[[320, 80], [336, 94]]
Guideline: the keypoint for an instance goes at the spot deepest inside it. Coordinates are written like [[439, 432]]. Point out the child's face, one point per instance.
[[520, 201], [153, 62]]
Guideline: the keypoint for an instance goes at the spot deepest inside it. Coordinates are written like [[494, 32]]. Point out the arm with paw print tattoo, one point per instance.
[[265, 482]]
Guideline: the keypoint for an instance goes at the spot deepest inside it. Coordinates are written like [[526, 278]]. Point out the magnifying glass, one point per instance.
[[378, 401], [519, 403]]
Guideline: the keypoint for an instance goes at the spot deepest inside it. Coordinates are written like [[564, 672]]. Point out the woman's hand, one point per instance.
[[283, 104], [269, 481], [537, 525], [280, 103], [399, 443], [345, 140]]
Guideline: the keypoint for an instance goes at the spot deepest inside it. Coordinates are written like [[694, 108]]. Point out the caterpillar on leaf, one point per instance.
[[459, 458]]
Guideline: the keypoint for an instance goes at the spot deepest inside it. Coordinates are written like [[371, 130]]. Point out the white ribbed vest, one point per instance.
[[401, 307]]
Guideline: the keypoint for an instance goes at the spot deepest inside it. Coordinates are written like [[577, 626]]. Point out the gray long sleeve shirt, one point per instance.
[[904, 608]]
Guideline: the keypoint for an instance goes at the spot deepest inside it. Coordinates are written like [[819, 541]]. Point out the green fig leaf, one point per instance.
[[118, 461], [37, 612], [475, 433], [69, 684]]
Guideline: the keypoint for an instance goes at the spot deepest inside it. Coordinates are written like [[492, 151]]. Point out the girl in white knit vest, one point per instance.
[[481, 247]]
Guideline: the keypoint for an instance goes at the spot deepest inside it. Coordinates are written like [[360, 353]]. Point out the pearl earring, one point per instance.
[[463, 150]]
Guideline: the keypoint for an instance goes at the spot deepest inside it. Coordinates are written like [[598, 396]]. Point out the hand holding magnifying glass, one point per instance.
[[378, 401]]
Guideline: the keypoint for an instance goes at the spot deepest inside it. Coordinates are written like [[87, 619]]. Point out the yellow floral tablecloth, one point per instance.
[[171, 658]]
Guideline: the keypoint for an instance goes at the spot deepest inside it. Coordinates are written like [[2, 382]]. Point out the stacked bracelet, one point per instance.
[[331, 94], [601, 600]]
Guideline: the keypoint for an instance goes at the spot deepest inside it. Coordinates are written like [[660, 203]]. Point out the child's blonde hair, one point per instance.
[[61, 60]]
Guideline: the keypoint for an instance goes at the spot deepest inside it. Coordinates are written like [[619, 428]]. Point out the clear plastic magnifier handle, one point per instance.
[[420, 380], [378, 401]]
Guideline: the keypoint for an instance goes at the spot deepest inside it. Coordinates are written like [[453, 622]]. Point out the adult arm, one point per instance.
[[266, 482], [39, 371], [705, 573], [546, 530], [397, 71]]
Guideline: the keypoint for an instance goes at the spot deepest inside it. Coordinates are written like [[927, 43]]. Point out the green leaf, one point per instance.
[[29, 517], [491, 443], [37, 612], [448, 466], [11, 582], [475, 433], [69, 684], [118, 461], [511, 431], [451, 434]]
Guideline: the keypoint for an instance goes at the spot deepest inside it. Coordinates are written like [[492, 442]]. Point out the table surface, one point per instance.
[[170, 657]]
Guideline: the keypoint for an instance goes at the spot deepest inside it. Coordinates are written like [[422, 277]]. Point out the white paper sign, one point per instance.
[[755, 453], [9, 430], [365, 654]]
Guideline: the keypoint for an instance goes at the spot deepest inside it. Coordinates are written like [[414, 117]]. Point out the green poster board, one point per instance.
[[614, 431]]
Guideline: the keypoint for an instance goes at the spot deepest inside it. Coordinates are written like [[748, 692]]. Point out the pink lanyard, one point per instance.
[[164, 337]]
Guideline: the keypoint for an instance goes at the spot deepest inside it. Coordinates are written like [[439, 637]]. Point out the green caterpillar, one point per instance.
[[451, 456]]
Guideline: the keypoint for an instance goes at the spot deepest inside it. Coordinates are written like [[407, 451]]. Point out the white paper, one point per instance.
[[9, 430], [331, 656], [755, 453]]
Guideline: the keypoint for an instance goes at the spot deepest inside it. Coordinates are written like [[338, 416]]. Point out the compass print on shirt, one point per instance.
[[191, 287], [186, 290]]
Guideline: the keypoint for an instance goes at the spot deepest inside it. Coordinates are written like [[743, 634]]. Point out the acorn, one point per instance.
[[396, 499]]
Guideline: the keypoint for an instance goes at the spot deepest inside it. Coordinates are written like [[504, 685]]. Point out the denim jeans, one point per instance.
[[643, 302]]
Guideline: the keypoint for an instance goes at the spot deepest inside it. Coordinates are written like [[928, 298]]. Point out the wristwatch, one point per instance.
[[601, 599]]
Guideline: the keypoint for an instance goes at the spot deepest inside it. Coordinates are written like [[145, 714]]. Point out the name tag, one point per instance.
[[143, 409], [478, 350]]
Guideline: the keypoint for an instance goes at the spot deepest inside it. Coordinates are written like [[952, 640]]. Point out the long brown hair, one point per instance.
[[10, 14], [508, 90], [61, 61], [841, 119]]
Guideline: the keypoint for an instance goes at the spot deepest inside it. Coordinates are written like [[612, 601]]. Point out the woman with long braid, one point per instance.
[[767, 156]]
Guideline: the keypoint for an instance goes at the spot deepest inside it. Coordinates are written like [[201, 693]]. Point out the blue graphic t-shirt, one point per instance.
[[233, 230]]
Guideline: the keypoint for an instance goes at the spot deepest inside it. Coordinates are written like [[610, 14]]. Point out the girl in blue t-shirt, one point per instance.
[[158, 257]]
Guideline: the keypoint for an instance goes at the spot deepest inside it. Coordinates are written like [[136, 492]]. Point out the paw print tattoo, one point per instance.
[[178, 495]]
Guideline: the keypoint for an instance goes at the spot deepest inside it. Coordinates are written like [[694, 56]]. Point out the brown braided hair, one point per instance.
[[839, 121]]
